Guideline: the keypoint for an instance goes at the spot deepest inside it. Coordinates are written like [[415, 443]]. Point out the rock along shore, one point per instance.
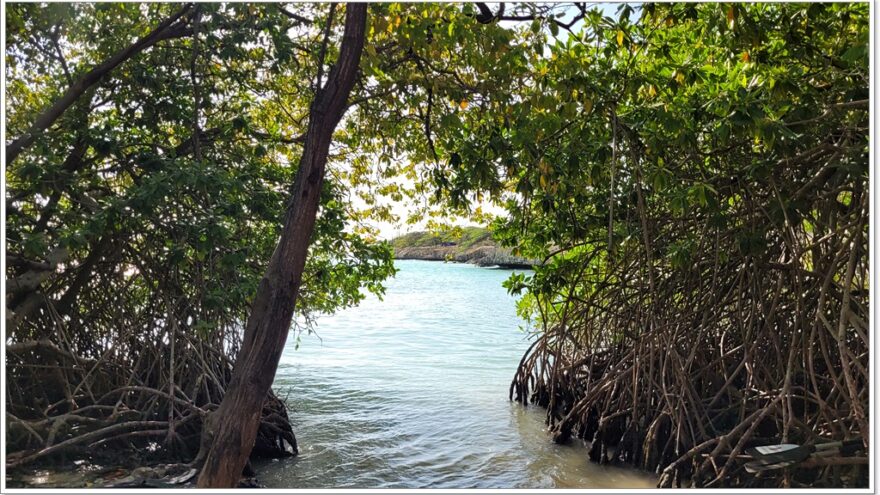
[[485, 255]]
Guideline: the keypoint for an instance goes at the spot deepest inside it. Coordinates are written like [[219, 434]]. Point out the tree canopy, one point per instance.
[[693, 175]]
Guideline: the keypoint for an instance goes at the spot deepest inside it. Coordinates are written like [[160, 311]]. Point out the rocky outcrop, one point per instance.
[[485, 255]]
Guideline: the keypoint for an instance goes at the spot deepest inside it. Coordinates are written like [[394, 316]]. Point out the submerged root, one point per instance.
[[61, 405], [691, 423], [679, 369]]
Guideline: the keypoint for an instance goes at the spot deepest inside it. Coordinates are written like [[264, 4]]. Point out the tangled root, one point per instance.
[[678, 369]]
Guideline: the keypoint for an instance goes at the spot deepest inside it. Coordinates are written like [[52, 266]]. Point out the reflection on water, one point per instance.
[[411, 392]]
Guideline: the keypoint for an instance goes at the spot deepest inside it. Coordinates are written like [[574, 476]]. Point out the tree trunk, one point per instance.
[[232, 429]]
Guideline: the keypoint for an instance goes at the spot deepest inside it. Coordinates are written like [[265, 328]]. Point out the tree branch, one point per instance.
[[197, 149], [51, 114], [53, 36], [486, 16], [296, 17], [324, 43]]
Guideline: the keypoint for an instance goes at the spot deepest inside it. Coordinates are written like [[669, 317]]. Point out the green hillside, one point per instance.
[[462, 237]]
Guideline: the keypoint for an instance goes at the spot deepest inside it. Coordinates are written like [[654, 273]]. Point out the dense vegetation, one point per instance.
[[694, 176], [703, 180], [462, 237], [139, 225]]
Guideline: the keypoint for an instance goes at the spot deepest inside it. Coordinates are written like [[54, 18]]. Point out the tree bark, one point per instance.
[[229, 432], [165, 30]]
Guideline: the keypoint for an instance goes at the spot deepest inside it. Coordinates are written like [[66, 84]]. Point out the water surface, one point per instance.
[[411, 392]]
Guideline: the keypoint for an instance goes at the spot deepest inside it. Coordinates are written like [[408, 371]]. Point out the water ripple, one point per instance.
[[411, 392]]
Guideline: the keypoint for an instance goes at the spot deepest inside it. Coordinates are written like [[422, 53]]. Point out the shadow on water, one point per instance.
[[411, 392]]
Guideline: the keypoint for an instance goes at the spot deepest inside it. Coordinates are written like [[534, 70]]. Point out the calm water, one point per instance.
[[411, 392]]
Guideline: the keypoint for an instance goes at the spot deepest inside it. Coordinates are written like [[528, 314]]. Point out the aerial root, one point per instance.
[[719, 356], [61, 403]]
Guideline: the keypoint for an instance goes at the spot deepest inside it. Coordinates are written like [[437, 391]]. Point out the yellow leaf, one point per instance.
[[679, 77], [670, 21], [745, 57], [463, 104], [588, 105], [620, 37], [652, 92], [543, 181]]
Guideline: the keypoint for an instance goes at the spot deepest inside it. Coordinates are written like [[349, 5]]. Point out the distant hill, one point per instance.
[[463, 237], [461, 244]]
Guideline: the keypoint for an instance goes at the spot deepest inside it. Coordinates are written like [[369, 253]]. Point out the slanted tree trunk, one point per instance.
[[230, 431]]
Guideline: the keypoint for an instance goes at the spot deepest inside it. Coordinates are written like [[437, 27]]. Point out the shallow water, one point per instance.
[[411, 392]]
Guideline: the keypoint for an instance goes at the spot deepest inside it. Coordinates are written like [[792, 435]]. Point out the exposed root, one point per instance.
[[61, 403], [677, 368]]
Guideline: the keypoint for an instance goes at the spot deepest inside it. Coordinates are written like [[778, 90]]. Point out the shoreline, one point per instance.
[[484, 256], [505, 266]]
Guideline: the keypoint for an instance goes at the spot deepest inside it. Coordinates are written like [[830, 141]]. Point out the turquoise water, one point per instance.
[[411, 392]]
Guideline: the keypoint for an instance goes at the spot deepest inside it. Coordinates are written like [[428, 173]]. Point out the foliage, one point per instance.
[[427, 67], [133, 245], [692, 177], [462, 237]]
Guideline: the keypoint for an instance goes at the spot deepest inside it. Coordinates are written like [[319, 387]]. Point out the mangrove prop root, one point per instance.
[[69, 395], [678, 369]]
